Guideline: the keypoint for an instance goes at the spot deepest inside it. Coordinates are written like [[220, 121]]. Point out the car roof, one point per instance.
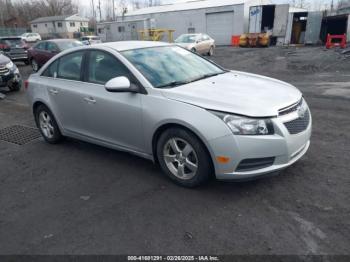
[[62, 40], [130, 45]]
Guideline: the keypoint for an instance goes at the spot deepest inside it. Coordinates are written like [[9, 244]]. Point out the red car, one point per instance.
[[43, 51]]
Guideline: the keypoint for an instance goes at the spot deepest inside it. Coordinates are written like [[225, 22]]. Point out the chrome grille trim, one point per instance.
[[289, 109], [4, 71]]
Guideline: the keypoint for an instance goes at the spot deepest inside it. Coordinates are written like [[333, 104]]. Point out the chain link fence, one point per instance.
[[12, 31]]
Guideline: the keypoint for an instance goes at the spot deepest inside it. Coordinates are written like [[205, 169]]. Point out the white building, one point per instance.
[[59, 26], [221, 19]]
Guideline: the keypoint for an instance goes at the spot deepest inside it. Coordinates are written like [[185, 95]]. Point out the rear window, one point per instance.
[[13, 42]]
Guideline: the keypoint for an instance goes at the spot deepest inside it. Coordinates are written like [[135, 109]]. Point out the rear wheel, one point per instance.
[[183, 157], [35, 65], [193, 50], [47, 125]]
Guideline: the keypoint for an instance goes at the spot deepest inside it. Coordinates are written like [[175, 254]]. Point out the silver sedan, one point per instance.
[[171, 106], [198, 43]]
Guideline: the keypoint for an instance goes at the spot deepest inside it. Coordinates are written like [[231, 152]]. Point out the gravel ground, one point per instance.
[[78, 198]]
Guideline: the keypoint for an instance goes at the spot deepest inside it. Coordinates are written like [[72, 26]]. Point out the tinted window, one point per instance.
[[40, 46], [51, 46], [51, 71], [14, 42], [103, 67], [70, 65]]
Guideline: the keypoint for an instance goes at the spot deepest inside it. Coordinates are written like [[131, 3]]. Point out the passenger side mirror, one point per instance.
[[120, 84]]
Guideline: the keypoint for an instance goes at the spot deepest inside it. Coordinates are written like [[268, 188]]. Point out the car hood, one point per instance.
[[4, 60], [239, 93]]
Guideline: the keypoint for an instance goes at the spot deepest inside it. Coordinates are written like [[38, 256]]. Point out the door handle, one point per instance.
[[90, 100], [53, 91]]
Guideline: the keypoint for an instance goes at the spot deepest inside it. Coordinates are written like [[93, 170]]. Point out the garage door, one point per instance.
[[220, 27]]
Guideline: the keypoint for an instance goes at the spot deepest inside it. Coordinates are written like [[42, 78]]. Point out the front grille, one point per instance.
[[4, 70], [290, 109], [298, 125], [255, 163]]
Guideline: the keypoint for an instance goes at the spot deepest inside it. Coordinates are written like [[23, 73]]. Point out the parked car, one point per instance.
[[199, 43], [9, 74], [172, 106], [31, 37], [91, 40], [15, 48], [43, 51]]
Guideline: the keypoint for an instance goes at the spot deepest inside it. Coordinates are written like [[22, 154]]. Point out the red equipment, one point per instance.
[[331, 44]]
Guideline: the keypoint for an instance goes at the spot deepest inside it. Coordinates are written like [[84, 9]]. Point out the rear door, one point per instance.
[[255, 16], [38, 53], [281, 20], [313, 27], [66, 92]]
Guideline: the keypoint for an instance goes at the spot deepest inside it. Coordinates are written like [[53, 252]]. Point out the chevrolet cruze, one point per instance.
[[164, 103]]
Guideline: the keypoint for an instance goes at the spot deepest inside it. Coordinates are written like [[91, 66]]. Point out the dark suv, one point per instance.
[[9, 74], [15, 48]]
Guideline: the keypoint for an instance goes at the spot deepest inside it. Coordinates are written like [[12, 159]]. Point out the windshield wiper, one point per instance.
[[206, 76], [173, 84]]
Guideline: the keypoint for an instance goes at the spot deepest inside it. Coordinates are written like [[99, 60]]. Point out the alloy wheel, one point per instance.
[[46, 125], [180, 158]]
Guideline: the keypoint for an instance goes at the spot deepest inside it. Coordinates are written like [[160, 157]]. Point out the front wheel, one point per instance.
[[183, 157], [47, 125]]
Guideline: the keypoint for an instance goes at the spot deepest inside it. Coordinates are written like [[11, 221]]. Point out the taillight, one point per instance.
[[26, 84]]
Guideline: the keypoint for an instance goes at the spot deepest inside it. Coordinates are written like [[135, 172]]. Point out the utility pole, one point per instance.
[[113, 10], [99, 8]]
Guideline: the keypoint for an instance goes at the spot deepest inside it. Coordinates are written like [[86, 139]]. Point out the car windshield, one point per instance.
[[14, 42], [63, 45], [170, 66], [186, 39]]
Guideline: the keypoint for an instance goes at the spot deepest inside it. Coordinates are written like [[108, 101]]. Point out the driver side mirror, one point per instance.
[[120, 84]]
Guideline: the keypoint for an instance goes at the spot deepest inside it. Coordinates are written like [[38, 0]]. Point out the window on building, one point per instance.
[[59, 24], [121, 29], [81, 23], [45, 25], [72, 24], [191, 30], [35, 25]]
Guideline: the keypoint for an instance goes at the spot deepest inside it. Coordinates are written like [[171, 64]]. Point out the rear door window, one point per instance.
[[70, 66], [40, 46], [51, 71]]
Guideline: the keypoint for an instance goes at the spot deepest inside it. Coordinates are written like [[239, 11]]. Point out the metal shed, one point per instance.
[[219, 18]]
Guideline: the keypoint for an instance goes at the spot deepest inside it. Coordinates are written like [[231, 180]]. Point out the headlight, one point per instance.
[[9, 65], [240, 125]]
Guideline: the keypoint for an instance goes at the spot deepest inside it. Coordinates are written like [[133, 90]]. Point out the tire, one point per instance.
[[15, 87], [211, 51], [35, 65], [183, 157], [47, 125], [193, 50]]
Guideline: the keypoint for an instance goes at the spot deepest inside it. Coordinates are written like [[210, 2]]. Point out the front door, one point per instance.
[[115, 118]]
